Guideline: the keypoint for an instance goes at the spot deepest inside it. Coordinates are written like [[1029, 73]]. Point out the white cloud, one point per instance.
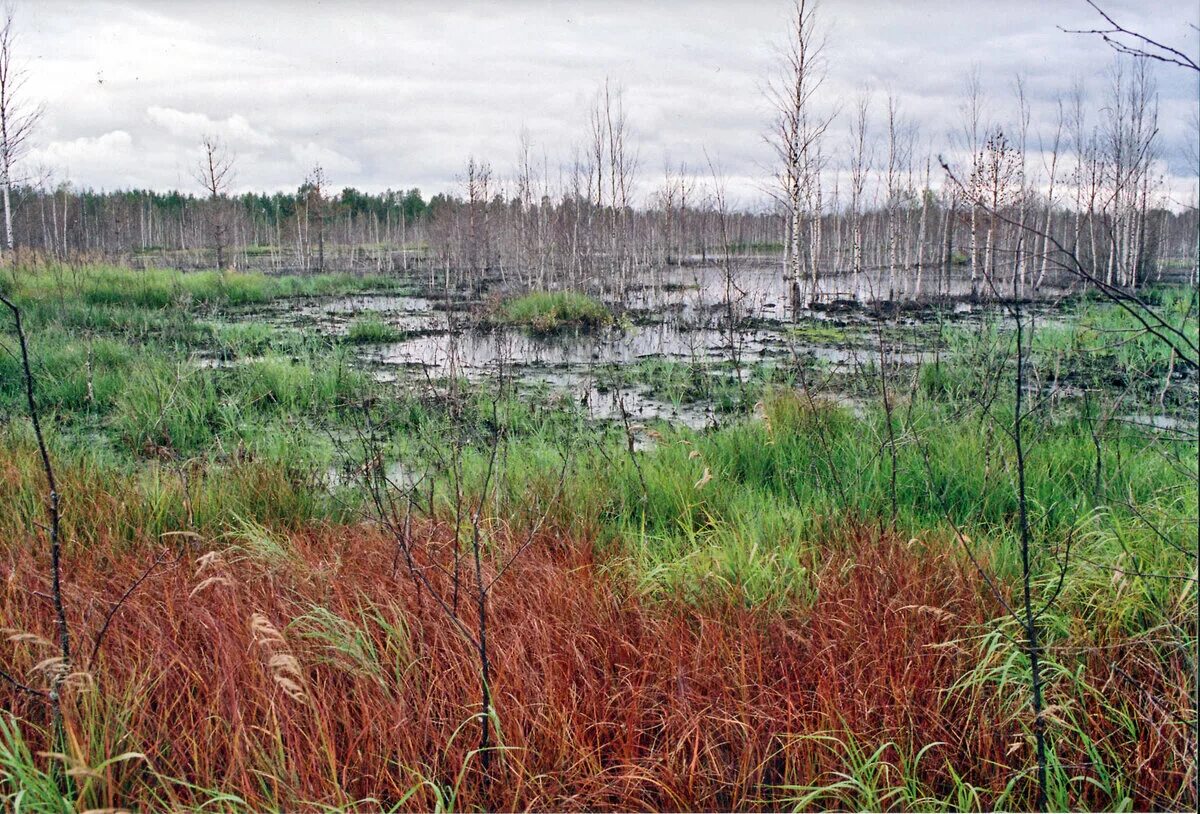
[[310, 154], [87, 157], [235, 129], [399, 94]]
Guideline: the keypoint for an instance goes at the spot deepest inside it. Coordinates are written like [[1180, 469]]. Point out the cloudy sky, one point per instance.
[[386, 94]]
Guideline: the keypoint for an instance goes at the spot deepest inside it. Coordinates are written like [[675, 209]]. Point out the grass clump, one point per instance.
[[371, 329], [550, 311], [820, 333]]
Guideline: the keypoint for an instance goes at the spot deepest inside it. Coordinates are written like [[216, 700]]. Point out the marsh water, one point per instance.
[[678, 315]]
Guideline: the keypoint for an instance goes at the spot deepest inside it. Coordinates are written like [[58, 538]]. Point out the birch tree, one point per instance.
[[796, 134], [18, 117], [861, 157]]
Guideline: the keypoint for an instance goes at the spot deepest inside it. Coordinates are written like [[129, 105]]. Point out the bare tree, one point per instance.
[[214, 172], [796, 136], [1052, 174], [1124, 41], [861, 157], [733, 293], [61, 665], [973, 126], [314, 195], [613, 162], [17, 117], [672, 201], [478, 249]]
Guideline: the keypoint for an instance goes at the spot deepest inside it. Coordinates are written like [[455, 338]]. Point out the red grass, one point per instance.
[[605, 701]]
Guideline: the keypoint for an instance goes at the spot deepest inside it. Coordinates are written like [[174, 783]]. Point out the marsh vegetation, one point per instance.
[[550, 501], [253, 453]]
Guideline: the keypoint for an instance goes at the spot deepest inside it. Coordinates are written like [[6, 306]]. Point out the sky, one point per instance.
[[399, 94]]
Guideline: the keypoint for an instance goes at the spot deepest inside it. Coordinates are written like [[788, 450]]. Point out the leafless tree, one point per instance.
[[1052, 176], [533, 210], [18, 117], [613, 161], [214, 172], [861, 156], [1128, 143], [733, 293], [672, 203], [478, 247], [315, 192], [796, 134], [1131, 43], [900, 136]]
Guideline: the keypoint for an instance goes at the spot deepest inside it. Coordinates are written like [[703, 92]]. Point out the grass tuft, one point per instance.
[[550, 311]]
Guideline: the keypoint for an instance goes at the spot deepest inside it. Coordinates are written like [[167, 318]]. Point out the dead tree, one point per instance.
[[61, 666], [17, 118], [613, 163], [478, 246], [973, 127], [733, 293], [861, 157], [315, 205], [214, 172], [796, 135], [1131, 43]]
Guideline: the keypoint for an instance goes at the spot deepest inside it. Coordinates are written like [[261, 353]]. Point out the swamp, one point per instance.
[[540, 496]]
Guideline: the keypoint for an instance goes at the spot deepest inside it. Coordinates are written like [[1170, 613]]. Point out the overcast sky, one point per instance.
[[385, 94]]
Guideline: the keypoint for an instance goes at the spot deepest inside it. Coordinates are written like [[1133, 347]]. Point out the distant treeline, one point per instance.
[[545, 242], [311, 228], [84, 220]]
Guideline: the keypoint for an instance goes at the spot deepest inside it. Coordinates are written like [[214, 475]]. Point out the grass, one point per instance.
[[776, 484], [743, 618], [550, 311], [158, 289], [600, 693], [817, 332], [115, 351], [371, 330]]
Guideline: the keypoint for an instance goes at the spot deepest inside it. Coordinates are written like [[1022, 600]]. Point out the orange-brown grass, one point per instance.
[[604, 701]]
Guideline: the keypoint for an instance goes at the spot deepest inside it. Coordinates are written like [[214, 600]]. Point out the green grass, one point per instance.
[[820, 333], [371, 330], [730, 391], [777, 477], [235, 340], [549, 311], [24, 784], [775, 486], [116, 359], [165, 288]]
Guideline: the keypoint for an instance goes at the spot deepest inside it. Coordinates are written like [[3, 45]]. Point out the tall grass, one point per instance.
[[776, 485], [106, 503], [603, 699]]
